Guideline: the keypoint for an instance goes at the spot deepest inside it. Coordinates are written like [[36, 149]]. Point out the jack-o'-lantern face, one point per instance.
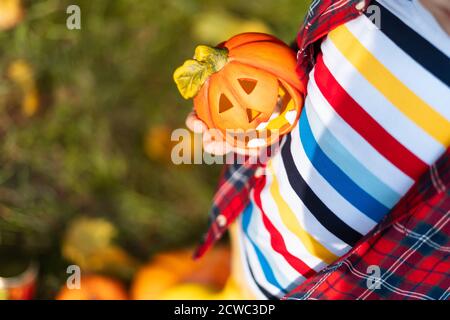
[[242, 98], [255, 90]]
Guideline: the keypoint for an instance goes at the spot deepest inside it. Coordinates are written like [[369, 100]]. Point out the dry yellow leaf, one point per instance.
[[11, 13], [21, 73]]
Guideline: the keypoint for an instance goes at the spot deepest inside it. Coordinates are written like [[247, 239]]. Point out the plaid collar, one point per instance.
[[322, 17], [234, 188]]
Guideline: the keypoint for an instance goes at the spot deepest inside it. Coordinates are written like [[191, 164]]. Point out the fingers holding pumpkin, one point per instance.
[[212, 139], [194, 123], [212, 143]]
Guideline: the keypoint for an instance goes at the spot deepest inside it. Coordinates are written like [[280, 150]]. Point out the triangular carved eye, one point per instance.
[[252, 114], [248, 85], [224, 104]]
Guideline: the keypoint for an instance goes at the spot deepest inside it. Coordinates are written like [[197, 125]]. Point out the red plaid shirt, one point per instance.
[[406, 256]]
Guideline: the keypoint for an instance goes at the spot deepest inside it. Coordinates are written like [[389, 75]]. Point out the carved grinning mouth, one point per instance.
[[283, 115], [282, 118]]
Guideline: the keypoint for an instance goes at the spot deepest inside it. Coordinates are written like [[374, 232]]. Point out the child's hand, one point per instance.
[[210, 145]]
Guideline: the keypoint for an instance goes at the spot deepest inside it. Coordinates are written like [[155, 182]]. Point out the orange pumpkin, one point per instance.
[[170, 271], [95, 287], [246, 83]]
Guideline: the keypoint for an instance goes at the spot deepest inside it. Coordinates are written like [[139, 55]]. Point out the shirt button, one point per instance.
[[221, 220], [360, 5], [259, 172]]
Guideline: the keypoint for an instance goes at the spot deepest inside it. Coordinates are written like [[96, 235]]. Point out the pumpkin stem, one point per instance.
[[193, 73]]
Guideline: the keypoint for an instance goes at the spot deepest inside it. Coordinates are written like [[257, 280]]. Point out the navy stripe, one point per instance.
[[421, 50], [322, 213]]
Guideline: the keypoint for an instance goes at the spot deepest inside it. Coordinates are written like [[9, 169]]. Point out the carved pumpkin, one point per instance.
[[246, 83]]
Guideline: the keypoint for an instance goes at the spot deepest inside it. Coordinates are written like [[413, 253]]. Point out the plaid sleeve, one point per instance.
[[231, 197], [322, 17], [405, 257]]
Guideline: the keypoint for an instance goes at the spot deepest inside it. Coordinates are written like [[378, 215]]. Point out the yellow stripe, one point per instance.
[[237, 287], [393, 89], [290, 221]]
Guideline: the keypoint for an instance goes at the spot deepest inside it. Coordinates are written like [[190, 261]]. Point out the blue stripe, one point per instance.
[[268, 273], [317, 208], [336, 177], [349, 164], [265, 293]]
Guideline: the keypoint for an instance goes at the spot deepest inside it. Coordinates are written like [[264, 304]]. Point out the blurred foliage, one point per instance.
[[89, 243], [85, 118]]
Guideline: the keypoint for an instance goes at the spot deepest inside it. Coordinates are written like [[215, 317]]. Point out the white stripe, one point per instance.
[[241, 238], [395, 122], [343, 209], [356, 144], [282, 270], [293, 243], [258, 273], [385, 195], [307, 219], [413, 14], [418, 79]]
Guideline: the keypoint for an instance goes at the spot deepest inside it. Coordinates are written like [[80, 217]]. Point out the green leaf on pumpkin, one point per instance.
[[193, 73], [190, 77]]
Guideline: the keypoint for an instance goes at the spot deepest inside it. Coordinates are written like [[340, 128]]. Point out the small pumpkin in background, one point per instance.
[[247, 83], [176, 274], [95, 287]]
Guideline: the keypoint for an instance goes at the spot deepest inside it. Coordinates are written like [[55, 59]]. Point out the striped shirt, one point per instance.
[[376, 116]]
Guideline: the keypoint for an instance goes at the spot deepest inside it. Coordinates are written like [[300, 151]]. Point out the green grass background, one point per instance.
[[102, 88]]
